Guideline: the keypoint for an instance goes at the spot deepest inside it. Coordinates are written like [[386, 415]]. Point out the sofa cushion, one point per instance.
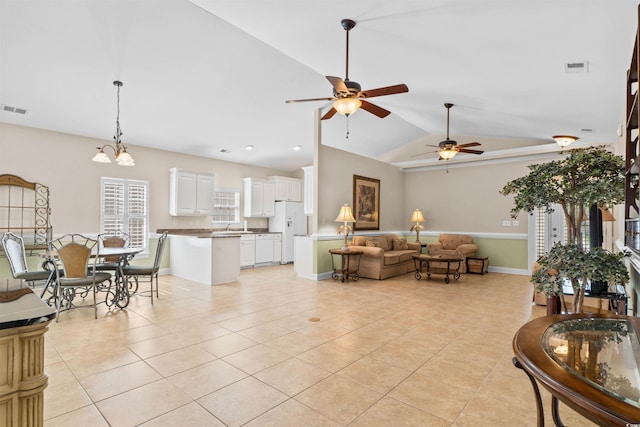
[[395, 257], [400, 244], [372, 243]]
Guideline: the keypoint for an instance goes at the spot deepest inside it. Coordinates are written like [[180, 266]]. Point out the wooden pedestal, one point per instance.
[[22, 377]]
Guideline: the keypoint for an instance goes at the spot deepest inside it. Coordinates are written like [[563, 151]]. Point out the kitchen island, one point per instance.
[[205, 257]]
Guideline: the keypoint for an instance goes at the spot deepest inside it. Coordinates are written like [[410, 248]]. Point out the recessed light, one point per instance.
[[297, 147], [248, 147]]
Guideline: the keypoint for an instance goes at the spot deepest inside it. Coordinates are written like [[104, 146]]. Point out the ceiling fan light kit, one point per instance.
[[348, 96], [347, 106]]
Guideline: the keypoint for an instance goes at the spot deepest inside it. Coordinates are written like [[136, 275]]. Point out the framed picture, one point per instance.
[[366, 203]]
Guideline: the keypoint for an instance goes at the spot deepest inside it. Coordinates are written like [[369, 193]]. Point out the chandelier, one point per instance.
[[123, 158]]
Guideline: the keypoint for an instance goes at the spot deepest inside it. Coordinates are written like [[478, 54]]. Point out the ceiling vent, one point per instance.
[[16, 110], [576, 67]]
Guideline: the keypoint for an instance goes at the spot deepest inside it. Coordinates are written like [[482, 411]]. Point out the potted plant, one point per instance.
[[584, 177]]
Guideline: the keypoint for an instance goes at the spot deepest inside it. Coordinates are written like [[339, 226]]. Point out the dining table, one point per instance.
[[117, 290], [119, 295]]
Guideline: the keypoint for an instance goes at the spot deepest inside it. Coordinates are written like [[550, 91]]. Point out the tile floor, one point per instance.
[[277, 350]]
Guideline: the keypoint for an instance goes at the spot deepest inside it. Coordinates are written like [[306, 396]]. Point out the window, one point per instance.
[[124, 208], [226, 206]]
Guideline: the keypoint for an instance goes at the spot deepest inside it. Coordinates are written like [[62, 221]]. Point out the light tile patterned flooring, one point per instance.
[[397, 352]]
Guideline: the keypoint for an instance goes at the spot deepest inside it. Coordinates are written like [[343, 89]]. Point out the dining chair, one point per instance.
[[74, 253], [13, 246], [134, 272], [116, 239]]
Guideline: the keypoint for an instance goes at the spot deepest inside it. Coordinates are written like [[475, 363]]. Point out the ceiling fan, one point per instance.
[[448, 148], [348, 95]]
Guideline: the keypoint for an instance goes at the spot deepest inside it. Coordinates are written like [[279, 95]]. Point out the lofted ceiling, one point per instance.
[[208, 77]]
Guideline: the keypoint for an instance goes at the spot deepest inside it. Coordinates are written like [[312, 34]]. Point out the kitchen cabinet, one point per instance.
[[287, 189], [190, 193], [277, 248], [247, 250], [259, 197]]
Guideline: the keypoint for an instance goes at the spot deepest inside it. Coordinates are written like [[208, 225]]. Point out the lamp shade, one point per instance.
[[125, 159], [347, 106], [607, 215], [447, 154], [565, 140], [345, 214], [416, 216], [101, 157]]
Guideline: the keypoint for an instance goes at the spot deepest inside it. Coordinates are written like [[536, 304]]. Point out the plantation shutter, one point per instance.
[[124, 208]]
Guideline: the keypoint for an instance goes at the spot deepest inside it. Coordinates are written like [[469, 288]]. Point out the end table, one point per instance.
[[350, 263]]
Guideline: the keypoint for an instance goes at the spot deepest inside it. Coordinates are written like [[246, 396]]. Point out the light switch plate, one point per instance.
[[506, 223]]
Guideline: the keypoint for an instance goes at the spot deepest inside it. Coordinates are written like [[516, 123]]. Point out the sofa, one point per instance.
[[385, 256], [458, 245]]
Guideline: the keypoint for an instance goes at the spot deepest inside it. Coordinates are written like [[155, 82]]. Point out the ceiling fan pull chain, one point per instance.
[[347, 137]]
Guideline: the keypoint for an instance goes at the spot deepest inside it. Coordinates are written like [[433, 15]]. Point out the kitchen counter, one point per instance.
[[209, 259], [209, 232]]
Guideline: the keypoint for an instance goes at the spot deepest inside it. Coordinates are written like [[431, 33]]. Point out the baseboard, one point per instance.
[[516, 271]]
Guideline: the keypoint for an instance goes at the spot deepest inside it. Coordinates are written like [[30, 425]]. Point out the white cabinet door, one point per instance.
[[183, 195], [205, 186], [247, 251], [268, 199], [277, 248], [258, 198], [287, 189]]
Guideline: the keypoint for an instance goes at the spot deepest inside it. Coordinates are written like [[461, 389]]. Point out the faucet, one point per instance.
[[228, 227]]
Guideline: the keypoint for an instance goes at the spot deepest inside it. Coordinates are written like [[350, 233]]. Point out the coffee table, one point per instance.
[[425, 261]]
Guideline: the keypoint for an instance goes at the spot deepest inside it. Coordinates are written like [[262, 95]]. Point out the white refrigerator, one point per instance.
[[289, 220]]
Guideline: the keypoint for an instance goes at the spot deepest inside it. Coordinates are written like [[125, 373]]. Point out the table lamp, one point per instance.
[[345, 216], [417, 218]]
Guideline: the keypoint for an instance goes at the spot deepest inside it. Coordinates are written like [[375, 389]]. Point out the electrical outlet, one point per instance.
[[506, 223], [175, 222], [515, 223]]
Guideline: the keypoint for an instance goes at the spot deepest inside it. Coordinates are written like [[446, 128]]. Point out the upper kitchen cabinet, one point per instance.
[[190, 193], [287, 189], [259, 197]]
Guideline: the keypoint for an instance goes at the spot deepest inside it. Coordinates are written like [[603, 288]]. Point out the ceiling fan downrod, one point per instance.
[[348, 25]]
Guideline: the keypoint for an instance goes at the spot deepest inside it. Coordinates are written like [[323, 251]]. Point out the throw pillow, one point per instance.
[[400, 244], [372, 243]]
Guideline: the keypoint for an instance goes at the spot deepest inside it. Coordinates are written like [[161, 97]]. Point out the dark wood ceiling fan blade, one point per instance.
[[470, 144], [374, 109], [329, 114], [465, 150], [309, 99], [338, 84], [389, 90]]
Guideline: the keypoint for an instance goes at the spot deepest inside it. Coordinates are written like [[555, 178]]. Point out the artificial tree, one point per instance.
[[584, 177]]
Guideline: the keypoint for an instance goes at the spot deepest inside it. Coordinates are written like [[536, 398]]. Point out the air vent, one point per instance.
[[16, 110], [224, 150], [587, 130], [576, 67]]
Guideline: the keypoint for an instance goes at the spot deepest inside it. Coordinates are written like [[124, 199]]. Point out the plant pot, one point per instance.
[[553, 305], [599, 287]]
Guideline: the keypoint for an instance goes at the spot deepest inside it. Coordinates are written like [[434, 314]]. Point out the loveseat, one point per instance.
[[458, 245], [385, 256]]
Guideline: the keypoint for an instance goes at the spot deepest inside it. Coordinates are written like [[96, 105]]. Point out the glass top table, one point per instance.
[[589, 362]]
